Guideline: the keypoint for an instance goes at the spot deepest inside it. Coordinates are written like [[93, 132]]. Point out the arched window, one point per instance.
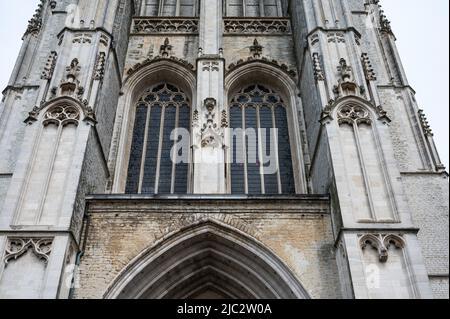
[[261, 160], [253, 8], [151, 170], [170, 8]]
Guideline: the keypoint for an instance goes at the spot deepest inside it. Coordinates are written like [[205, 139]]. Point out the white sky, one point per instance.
[[421, 27]]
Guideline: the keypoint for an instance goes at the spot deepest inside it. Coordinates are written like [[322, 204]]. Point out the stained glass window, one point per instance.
[[261, 152], [151, 170]]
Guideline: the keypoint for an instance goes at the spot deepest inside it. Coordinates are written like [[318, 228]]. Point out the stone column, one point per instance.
[[209, 115]]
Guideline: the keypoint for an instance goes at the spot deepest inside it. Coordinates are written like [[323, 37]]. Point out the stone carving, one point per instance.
[[17, 247], [385, 24], [149, 61], [62, 115], [211, 66], [336, 37], [99, 70], [353, 114], [35, 23], [70, 83], [264, 60], [166, 49], [191, 220], [169, 25], [195, 119], [425, 124], [381, 243], [224, 120], [318, 71], [257, 26], [368, 69], [346, 84], [314, 39], [49, 67], [212, 135], [256, 49], [82, 38]]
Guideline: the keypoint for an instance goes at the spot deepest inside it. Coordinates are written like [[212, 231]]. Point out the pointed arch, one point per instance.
[[201, 257], [279, 79], [141, 77]]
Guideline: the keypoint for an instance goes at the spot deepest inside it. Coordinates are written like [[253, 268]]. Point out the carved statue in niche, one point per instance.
[[212, 135], [70, 84], [346, 83]]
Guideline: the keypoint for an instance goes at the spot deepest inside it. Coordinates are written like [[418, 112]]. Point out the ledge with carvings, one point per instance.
[[255, 26], [162, 25]]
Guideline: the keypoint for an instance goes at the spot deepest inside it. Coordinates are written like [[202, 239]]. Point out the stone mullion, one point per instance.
[[144, 149], [244, 139], [279, 9], [277, 158], [160, 146], [261, 8], [174, 156], [260, 157]]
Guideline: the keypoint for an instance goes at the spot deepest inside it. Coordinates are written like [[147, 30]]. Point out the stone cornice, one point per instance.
[[311, 205]]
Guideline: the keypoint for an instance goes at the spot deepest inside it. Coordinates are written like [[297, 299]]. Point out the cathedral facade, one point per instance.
[[239, 149]]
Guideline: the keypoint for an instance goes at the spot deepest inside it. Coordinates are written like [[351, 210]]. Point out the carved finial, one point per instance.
[[425, 124], [35, 23], [318, 72], [166, 49], [368, 69], [256, 49], [49, 66]]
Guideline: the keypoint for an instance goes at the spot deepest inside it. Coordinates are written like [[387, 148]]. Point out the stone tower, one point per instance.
[[220, 149]]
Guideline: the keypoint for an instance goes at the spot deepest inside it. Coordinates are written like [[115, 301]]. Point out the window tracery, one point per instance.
[[161, 110], [261, 159]]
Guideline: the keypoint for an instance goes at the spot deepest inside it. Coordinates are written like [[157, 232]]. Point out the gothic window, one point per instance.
[[151, 170], [253, 8], [261, 160], [170, 8]]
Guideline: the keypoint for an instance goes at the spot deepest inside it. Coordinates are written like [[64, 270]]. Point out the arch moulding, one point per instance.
[[211, 248], [145, 75]]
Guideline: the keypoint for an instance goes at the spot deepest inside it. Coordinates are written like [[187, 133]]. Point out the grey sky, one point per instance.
[[422, 29]]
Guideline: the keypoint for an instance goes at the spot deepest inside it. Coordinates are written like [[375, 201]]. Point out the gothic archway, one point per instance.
[[143, 77], [264, 74], [207, 260]]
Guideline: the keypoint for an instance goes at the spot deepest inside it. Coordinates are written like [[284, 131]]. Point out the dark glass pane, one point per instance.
[[264, 89], [151, 158], [249, 89], [158, 88], [237, 165], [182, 169], [165, 172], [270, 173], [257, 97], [136, 151], [150, 98], [284, 152], [172, 88], [178, 98], [253, 165], [242, 99], [164, 96], [272, 99]]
